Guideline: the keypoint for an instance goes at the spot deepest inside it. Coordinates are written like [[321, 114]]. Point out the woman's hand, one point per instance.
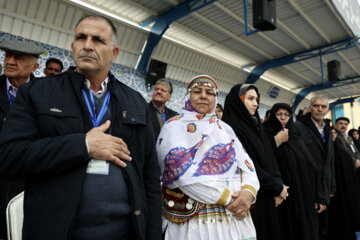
[[240, 204], [284, 193], [282, 136], [278, 201]]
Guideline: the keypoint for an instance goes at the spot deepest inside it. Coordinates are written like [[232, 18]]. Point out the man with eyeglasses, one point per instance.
[[317, 134]]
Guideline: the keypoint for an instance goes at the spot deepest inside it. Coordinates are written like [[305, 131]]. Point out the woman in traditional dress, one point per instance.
[[298, 170], [209, 182], [240, 112]]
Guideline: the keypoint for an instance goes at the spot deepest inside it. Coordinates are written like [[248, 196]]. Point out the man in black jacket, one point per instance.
[[344, 211], [84, 143], [317, 135], [159, 113], [21, 60]]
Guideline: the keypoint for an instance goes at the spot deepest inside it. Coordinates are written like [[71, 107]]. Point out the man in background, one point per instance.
[[21, 60], [159, 113], [53, 67], [317, 135], [344, 210]]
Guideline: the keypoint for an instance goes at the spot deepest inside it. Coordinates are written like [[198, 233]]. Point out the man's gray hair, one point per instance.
[[111, 24], [319, 97], [165, 82]]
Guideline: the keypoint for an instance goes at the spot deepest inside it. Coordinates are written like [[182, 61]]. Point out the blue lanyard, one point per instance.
[[9, 97], [92, 111], [323, 136]]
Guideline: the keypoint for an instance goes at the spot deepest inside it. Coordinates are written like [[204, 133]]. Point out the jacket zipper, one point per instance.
[[87, 123]]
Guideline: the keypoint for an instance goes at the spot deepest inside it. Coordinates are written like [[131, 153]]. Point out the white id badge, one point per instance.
[[98, 167]]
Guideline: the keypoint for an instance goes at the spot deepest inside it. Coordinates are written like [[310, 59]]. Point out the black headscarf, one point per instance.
[[273, 125], [357, 142], [252, 136]]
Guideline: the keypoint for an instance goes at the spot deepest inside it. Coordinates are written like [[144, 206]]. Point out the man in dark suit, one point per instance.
[[84, 143], [317, 135], [344, 211], [345, 141], [21, 60], [159, 113]]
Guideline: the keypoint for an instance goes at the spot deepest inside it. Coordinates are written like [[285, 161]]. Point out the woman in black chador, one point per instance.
[[240, 112], [298, 170]]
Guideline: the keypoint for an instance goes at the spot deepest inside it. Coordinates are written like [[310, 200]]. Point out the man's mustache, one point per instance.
[[88, 54]]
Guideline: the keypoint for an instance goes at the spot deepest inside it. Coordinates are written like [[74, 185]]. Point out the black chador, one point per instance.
[[252, 136], [298, 170]]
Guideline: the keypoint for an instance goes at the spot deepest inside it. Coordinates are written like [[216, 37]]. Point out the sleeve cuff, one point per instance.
[[225, 198], [251, 189], [87, 146]]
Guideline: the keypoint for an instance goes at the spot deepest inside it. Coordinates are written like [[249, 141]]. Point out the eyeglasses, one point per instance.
[[282, 114]]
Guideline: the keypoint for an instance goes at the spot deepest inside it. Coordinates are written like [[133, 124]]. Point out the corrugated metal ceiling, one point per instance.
[[211, 40]]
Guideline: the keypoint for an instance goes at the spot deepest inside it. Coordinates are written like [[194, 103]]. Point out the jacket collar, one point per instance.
[[79, 79], [306, 119]]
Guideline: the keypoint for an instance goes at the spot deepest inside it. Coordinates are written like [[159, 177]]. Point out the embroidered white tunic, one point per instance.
[[202, 156]]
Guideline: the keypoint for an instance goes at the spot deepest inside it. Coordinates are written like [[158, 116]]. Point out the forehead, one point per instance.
[[19, 55], [202, 86], [94, 26], [282, 110], [161, 85], [251, 92], [342, 122], [321, 101], [54, 64]]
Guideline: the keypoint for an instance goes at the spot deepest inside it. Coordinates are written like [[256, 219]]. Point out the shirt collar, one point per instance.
[[103, 85], [317, 125], [11, 88], [158, 108]]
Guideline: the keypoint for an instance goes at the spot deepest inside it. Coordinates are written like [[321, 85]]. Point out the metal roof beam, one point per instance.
[[304, 92], [232, 35], [269, 39], [162, 23], [321, 32], [342, 101], [242, 21], [300, 56]]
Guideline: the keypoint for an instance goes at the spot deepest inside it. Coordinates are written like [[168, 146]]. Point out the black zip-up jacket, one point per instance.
[[8, 189], [43, 141], [323, 155]]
